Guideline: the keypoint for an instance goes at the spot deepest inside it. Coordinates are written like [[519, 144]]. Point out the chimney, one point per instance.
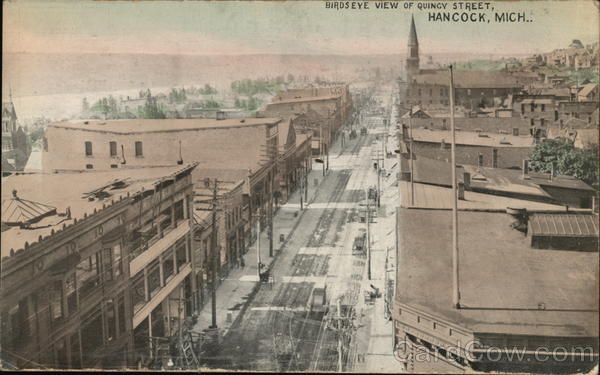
[[461, 191], [220, 115], [467, 180], [525, 169]]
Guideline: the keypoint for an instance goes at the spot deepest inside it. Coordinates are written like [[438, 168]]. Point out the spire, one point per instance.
[[412, 36]]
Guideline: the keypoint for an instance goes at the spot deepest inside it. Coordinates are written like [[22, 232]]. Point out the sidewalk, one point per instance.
[[235, 290], [375, 334]]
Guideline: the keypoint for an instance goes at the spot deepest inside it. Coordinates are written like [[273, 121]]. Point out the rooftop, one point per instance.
[[470, 79], [485, 124], [70, 191], [472, 138], [563, 225], [502, 284], [304, 99], [163, 125]]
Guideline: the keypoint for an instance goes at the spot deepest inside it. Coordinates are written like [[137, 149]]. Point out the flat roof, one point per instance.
[[440, 197], [472, 138], [161, 125], [69, 190], [305, 99], [501, 283]]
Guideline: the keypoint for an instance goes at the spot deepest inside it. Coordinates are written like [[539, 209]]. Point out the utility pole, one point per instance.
[[412, 171], [368, 217], [258, 244], [321, 146], [340, 335], [270, 214], [301, 192], [455, 280], [214, 257]]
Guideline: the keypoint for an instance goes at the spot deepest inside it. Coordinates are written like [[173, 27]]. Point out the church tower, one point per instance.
[[412, 61]]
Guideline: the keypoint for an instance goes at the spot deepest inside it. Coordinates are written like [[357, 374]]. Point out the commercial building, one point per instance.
[[472, 89], [475, 148], [517, 310], [314, 110], [95, 266]]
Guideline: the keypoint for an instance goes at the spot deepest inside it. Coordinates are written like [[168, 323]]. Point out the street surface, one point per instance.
[[274, 328]]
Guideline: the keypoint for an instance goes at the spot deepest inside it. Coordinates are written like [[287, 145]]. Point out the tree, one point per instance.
[[561, 156]]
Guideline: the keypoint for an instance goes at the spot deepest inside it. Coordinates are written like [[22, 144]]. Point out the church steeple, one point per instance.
[[412, 60]]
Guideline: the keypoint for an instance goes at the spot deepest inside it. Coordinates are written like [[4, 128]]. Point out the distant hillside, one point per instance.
[[44, 74]]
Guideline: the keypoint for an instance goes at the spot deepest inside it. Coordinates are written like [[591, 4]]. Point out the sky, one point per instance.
[[280, 27]]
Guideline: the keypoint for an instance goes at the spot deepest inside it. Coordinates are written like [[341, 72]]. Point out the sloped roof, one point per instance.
[[563, 225], [22, 211], [587, 89]]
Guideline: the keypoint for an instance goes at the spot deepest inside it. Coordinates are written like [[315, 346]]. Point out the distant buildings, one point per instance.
[[575, 56], [314, 110], [15, 143]]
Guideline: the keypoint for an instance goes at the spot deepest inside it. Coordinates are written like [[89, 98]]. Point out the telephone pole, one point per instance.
[[270, 213], [214, 258], [340, 335], [455, 254]]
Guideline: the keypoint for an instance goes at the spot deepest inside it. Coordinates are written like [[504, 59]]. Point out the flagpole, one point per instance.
[[455, 290]]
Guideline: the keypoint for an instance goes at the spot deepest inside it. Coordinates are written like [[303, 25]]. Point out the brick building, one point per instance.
[[91, 265]]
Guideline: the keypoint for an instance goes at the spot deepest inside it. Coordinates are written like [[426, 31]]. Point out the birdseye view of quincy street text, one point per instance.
[[300, 186]]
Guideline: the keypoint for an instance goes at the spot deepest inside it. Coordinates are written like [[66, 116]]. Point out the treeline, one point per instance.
[[261, 85]]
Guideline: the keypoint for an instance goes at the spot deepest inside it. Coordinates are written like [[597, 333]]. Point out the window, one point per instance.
[[111, 320], [75, 351], [542, 122], [153, 278], [92, 336], [179, 215], [180, 253], [107, 264], [71, 293], [61, 354], [121, 313], [117, 261], [138, 295], [88, 148], [112, 148], [114, 166], [168, 266], [89, 166], [56, 301], [87, 274], [522, 108], [139, 152], [543, 107]]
